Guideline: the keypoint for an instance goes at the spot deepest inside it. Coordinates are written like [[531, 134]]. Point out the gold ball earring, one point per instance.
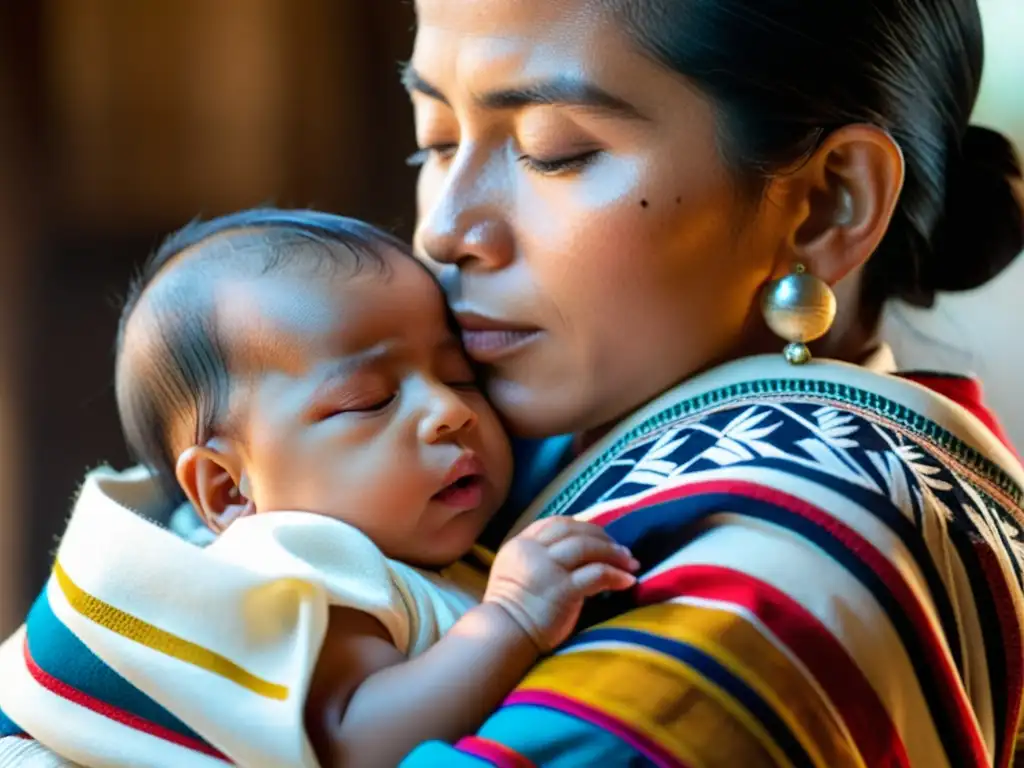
[[799, 308]]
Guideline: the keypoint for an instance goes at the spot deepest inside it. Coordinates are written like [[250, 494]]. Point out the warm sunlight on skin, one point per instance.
[[578, 185], [345, 382], [576, 195]]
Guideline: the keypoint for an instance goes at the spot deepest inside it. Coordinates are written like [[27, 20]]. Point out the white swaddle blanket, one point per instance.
[[222, 639]]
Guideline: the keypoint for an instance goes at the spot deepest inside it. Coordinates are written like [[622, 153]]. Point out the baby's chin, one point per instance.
[[448, 545], [436, 559]]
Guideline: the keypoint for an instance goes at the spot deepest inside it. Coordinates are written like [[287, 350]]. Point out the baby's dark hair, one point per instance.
[[176, 376]]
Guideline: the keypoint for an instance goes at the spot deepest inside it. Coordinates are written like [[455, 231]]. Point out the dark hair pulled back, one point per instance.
[[786, 73]]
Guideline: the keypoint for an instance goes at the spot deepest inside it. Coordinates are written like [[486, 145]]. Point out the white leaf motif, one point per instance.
[[640, 477], [665, 446], [745, 426], [722, 456], [833, 426], [827, 459], [913, 457]]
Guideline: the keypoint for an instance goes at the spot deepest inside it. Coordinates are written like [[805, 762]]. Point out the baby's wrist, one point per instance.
[[510, 615]]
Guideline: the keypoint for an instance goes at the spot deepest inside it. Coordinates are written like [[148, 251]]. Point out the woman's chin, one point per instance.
[[537, 410]]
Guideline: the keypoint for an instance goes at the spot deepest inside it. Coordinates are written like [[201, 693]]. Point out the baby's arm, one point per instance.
[[369, 706]]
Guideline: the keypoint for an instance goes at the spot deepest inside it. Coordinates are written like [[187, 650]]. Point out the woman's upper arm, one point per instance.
[[779, 632], [791, 646], [752, 644]]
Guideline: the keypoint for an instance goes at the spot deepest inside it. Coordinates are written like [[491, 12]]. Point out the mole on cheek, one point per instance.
[[644, 203], [679, 200]]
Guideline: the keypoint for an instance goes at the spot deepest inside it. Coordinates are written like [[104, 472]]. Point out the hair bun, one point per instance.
[[982, 230]]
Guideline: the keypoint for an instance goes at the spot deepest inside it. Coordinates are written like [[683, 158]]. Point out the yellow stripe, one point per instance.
[[484, 555], [747, 654], [161, 641], [662, 699]]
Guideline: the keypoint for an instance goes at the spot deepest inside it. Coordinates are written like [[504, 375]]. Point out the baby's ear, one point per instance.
[[212, 477]]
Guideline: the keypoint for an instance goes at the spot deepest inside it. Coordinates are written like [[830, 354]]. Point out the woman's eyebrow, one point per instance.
[[414, 83], [561, 91]]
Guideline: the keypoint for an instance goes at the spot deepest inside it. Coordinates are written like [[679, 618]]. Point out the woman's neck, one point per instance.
[[854, 338], [855, 333]]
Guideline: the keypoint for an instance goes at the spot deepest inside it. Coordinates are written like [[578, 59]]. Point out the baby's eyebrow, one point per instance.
[[345, 367]]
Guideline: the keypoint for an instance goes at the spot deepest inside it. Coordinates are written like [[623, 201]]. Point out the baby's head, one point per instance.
[[294, 360]]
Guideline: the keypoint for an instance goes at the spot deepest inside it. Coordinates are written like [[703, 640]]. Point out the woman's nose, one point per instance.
[[465, 224]]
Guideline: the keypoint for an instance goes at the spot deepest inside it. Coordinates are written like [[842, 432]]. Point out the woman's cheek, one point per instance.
[[427, 187], [614, 184]]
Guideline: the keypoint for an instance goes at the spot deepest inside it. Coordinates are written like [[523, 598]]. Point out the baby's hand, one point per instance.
[[542, 576]]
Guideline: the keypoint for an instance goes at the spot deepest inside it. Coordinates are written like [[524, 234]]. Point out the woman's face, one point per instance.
[[593, 243]]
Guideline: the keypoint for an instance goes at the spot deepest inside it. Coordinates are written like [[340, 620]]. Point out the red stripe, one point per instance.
[[84, 700], [873, 732], [492, 752], [968, 394], [497, 754], [652, 498], [1010, 632], [646, 746], [936, 656]]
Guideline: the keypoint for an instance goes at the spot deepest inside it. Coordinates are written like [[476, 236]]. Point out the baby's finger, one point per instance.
[[594, 578], [553, 529], [580, 549], [548, 530]]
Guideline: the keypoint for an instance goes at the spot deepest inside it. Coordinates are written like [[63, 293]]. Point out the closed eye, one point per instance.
[[380, 405], [559, 165], [439, 151], [372, 407]]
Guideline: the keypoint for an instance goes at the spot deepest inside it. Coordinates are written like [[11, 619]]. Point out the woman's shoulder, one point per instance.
[[824, 451], [838, 423], [847, 512]]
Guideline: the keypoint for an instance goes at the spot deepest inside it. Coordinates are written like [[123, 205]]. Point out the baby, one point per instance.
[[303, 364]]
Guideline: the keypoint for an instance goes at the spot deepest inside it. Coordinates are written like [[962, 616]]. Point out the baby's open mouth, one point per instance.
[[464, 494]]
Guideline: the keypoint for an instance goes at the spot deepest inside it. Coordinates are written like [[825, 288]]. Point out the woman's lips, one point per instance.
[[488, 340], [491, 346]]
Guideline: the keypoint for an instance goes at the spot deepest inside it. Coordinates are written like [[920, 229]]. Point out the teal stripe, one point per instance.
[[544, 736]]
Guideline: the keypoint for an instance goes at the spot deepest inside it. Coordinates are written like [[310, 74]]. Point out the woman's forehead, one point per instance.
[[565, 43], [505, 17], [511, 37]]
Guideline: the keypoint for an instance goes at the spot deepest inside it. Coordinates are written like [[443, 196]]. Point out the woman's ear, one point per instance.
[[848, 191], [213, 480]]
